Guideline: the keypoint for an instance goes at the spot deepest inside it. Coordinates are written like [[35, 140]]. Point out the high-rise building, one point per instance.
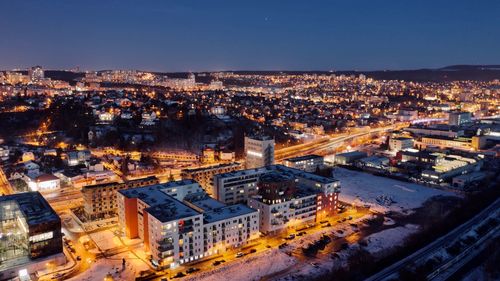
[[458, 118], [36, 73], [259, 151]]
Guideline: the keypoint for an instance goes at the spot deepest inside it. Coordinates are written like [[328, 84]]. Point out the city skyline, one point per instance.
[[192, 36]]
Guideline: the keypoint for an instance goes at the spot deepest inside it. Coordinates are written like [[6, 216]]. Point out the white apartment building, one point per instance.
[[289, 213], [177, 232], [259, 151]]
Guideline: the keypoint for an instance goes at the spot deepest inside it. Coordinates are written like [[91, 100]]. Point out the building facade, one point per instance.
[[178, 229], [205, 176], [259, 151], [99, 201], [308, 163]]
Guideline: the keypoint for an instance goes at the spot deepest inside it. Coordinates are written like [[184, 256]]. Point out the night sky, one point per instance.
[[204, 35]]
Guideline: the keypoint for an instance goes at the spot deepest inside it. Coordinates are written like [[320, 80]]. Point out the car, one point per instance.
[[268, 246], [216, 263], [164, 279], [339, 221], [192, 269], [252, 251], [290, 237], [239, 254], [301, 233], [325, 221], [326, 225], [78, 258], [349, 218], [179, 275], [283, 245], [315, 264]]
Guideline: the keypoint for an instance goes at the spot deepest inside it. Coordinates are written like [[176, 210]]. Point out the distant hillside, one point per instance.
[[448, 73]]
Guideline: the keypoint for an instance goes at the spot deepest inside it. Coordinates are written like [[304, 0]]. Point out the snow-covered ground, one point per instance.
[[113, 265], [105, 240], [248, 268], [383, 194], [389, 238]]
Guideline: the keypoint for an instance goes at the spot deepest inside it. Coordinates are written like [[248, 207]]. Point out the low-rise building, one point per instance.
[[43, 182], [30, 235], [448, 166], [400, 143], [308, 163], [348, 158]]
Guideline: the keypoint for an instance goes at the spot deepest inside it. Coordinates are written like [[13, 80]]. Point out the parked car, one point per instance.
[[240, 254], [192, 269]]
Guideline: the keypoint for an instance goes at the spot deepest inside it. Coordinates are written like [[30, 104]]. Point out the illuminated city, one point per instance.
[[134, 162]]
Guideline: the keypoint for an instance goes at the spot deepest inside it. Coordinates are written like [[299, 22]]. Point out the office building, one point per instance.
[[458, 118], [400, 143], [30, 235], [308, 163], [259, 151]]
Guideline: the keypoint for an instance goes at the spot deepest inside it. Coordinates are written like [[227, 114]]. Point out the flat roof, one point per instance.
[[227, 212], [161, 205], [203, 201], [278, 168], [35, 208], [302, 158]]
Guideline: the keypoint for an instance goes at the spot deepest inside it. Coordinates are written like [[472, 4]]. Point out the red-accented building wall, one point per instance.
[[131, 222]]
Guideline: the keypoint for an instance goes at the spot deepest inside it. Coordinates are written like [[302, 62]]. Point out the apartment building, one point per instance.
[[99, 201], [247, 185], [179, 226], [205, 175]]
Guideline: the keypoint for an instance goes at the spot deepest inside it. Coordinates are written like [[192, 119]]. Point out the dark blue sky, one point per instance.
[[202, 35]]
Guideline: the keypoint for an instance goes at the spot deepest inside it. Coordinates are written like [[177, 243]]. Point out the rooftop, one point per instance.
[[161, 205], [278, 168], [302, 158], [227, 212], [33, 206]]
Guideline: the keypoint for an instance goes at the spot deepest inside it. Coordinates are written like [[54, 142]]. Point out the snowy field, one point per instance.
[[389, 238], [383, 194], [249, 268]]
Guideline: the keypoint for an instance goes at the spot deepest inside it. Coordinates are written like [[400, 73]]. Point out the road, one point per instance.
[[327, 143], [392, 271], [5, 187]]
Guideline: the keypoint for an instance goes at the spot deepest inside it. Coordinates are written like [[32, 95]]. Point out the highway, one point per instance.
[[390, 272], [326, 143], [5, 187]]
